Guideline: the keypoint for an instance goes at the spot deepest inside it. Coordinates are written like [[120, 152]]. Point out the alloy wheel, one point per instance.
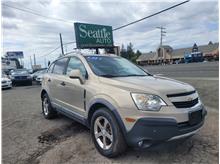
[[103, 132]]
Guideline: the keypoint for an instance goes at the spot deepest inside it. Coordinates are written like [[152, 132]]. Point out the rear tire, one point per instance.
[[47, 109], [106, 134]]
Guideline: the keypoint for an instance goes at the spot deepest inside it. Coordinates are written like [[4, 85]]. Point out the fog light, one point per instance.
[[140, 143]]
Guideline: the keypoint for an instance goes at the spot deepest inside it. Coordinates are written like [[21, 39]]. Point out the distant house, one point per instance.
[[166, 54]]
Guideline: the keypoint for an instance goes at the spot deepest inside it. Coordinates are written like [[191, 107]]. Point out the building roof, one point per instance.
[[179, 53], [146, 56]]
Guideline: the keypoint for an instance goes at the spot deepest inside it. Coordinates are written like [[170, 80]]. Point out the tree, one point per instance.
[[138, 53], [130, 51], [123, 51]]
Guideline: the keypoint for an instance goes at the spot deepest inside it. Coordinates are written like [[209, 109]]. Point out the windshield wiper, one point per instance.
[[108, 75], [133, 75]]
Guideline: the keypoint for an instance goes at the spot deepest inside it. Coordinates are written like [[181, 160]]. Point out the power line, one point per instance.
[[69, 43], [50, 52], [47, 54], [63, 20], [35, 13], [120, 27]]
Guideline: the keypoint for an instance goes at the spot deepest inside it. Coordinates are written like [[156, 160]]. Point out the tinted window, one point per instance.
[[59, 66], [75, 63]]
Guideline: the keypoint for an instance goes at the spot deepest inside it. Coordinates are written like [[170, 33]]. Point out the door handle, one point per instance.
[[63, 83], [49, 80]]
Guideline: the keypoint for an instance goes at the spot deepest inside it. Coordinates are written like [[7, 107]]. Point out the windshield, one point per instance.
[[40, 72], [113, 67]]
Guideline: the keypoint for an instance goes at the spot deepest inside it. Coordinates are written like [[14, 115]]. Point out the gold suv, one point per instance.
[[122, 104]]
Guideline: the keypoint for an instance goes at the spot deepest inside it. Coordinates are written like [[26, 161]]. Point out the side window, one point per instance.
[[75, 63], [50, 69], [59, 66]]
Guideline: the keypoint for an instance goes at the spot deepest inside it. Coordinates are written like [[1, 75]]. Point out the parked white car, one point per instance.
[[39, 78], [6, 82]]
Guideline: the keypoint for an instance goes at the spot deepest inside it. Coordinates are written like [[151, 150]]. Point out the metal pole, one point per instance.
[[161, 36], [162, 33], [97, 50], [31, 61], [61, 44], [45, 63], [34, 60]]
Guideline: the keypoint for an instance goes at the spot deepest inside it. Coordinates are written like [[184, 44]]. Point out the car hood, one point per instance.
[[149, 84], [20, 74], [40, 76]]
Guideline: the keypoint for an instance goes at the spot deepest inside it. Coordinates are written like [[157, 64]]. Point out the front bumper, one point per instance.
[[7, 85], [39, 80], [15, 81], [150, 131]]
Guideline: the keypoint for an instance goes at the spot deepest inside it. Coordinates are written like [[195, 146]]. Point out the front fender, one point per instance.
[[112, 106]]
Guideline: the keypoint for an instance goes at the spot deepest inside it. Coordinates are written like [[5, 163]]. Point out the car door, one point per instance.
[[74, 90], [55, 81]]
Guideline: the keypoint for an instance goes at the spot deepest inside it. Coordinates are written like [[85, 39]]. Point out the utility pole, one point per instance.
[[34, 60], [162, 34], [61, 44], [31, 61], [45, 63]]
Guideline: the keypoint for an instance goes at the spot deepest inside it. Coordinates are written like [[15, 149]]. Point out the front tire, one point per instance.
[[47, 109], [106, 134]]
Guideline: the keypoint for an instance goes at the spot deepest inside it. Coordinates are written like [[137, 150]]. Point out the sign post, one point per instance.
[[93, 36]]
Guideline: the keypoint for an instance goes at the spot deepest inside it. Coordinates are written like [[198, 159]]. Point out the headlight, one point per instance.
[[147, 101]]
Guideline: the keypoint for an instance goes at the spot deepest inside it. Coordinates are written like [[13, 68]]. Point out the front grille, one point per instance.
[[181, 94], [21, 77], [186, 104], [3, 82]]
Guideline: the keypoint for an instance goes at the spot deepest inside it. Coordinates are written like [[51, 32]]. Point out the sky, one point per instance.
[[194, 22]]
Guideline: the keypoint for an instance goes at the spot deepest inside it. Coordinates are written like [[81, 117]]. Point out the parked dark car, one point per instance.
[[20, 76]]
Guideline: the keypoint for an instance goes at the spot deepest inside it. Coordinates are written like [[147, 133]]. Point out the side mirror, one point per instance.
[[76, 74]]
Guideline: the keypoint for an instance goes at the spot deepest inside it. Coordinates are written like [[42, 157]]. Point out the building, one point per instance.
[[166, 54]]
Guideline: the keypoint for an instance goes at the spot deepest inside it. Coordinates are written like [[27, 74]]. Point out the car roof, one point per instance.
[[22, 69], [84, 54]]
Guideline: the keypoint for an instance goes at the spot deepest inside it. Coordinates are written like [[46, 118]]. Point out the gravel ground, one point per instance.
[[29, 138]]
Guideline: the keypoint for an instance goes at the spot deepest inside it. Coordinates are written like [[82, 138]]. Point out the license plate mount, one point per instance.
[[195, 117]]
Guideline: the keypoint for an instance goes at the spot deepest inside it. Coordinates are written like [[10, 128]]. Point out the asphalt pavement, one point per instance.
[[205, 70]]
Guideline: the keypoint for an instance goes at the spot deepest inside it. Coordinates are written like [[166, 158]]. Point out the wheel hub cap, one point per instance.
[[103, 132]]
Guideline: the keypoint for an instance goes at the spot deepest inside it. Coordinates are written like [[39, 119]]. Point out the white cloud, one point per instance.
[[195, 21]]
